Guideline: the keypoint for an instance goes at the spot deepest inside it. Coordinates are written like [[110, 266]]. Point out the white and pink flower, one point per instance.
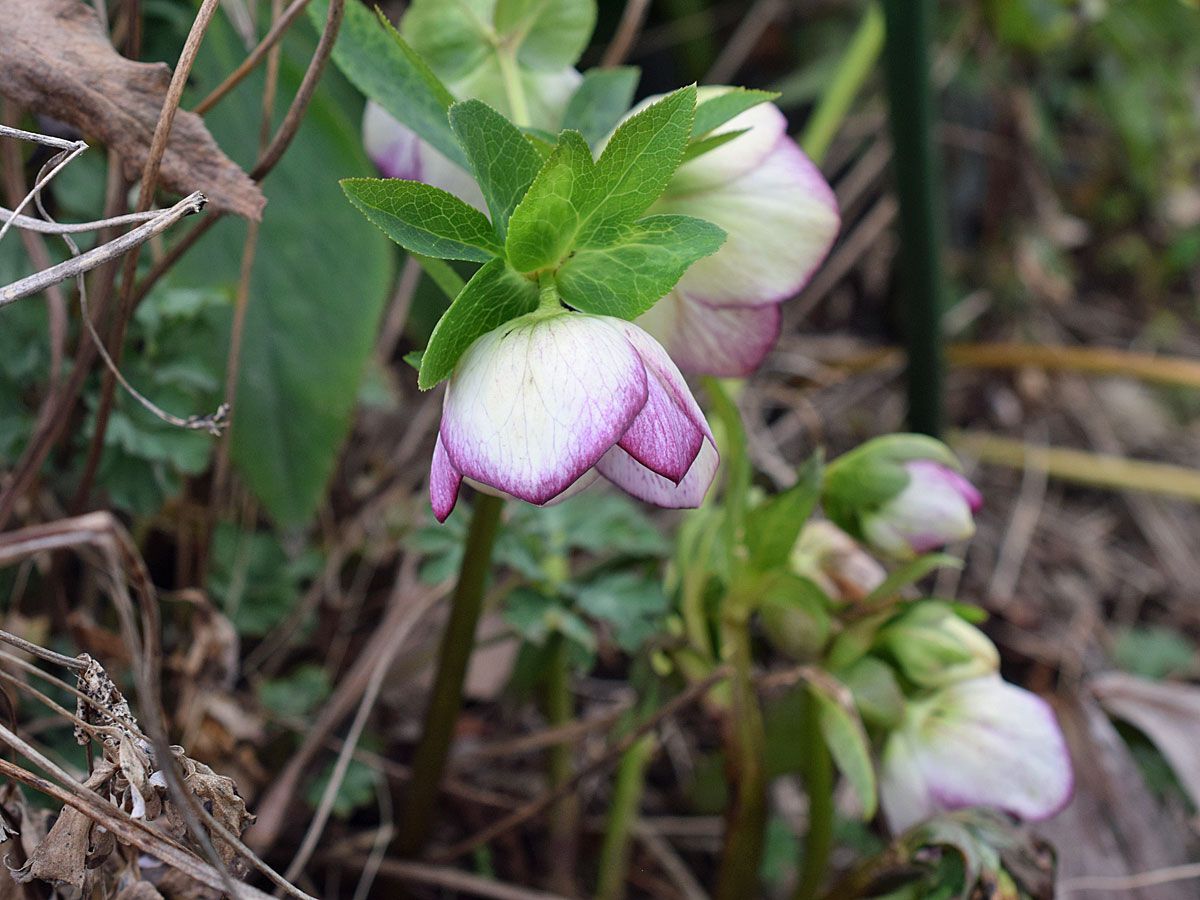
[[981, 742], [540, 407], [724, 316]]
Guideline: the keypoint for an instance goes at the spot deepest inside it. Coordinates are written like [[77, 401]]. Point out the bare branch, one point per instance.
[[28, 223], [85, 262]]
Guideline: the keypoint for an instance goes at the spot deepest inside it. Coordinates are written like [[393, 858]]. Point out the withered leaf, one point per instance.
[[140, 890], [56, 60], [61, 857]]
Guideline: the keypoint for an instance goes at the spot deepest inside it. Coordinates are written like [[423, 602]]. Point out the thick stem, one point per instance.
[[445, 701], [622, 816], [513, 88], [818, 782], [746, 817], [910, 97], [855, 65], [564, 818]]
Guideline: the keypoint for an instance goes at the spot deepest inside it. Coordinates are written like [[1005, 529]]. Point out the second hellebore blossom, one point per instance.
[[936, 507], [542, 405], [723, 316]]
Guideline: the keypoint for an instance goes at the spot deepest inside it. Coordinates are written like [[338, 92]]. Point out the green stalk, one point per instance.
[[818, 783], [853, 69], [513, 88], [445, 701], [910, 96], [745, 747], [622, 816], [564, 815]]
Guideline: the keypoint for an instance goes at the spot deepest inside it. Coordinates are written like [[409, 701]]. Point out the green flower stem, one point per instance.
[[745, 747], [906, 59], [445, 701], [513, 88], [564, 815], [853, 69], [622, 816], [442, 273], [818, 783]]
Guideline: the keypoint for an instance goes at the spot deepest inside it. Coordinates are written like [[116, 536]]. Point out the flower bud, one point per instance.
[[934, 647], [903, 494], [981, 742], [836, 562], [795, 616]]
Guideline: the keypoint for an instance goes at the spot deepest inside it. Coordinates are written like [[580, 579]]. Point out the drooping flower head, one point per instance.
[[724, 316], [903, 494], [980, 742], [542, 405]]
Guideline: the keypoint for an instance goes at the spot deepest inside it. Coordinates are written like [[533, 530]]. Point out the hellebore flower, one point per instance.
[[902, 494], [935, 508], [981, 742], [723, 316], [836, 562], [540, 406], [934, 646]]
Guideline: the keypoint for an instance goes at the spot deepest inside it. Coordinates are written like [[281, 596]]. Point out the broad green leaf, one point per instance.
[[371, 53], [773, 527], [548, 34], [320, 278], [503, 160], [600, 101], [636, 165], [627, 278], [494, 295], [876, 692], [632, 604], [716, 111], [847, 742], [543, 226], [424, 219], [453, 36]]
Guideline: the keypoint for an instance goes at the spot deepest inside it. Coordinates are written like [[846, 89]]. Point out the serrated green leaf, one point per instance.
[[632, 604], [773, 527], [543, 226], [494, 295], [576, 203], [378, 61], [703, 145], [600, 101], [503, 160], [454, 38], [637, 164], [848, 745], [716, 111], [424, 219], [627, 278]]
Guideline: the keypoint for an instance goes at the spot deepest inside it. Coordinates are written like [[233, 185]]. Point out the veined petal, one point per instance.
[[781, 218], [632, 477], [981, 742], [534, 404], [728, 342], [444, 482], [397, 152]]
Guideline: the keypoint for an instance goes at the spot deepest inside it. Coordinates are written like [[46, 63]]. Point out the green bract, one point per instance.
[[569, 222]]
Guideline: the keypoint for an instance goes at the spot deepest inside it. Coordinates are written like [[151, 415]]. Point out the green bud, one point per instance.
[[934, 647], [795, 616]]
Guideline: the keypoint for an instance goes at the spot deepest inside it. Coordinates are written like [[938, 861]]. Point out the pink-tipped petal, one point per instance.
[[536, 403], [444, 482], [635, 479], [781, 218], [728, 342]]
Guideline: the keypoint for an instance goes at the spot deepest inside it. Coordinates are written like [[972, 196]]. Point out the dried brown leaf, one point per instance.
[[55, 59], [62, 857], [140, 890]]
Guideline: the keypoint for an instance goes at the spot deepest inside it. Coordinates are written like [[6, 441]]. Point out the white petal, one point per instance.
[[632, 477], [398, 153], [781, 219], [981, 742], [534, 404], [729, 342]]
